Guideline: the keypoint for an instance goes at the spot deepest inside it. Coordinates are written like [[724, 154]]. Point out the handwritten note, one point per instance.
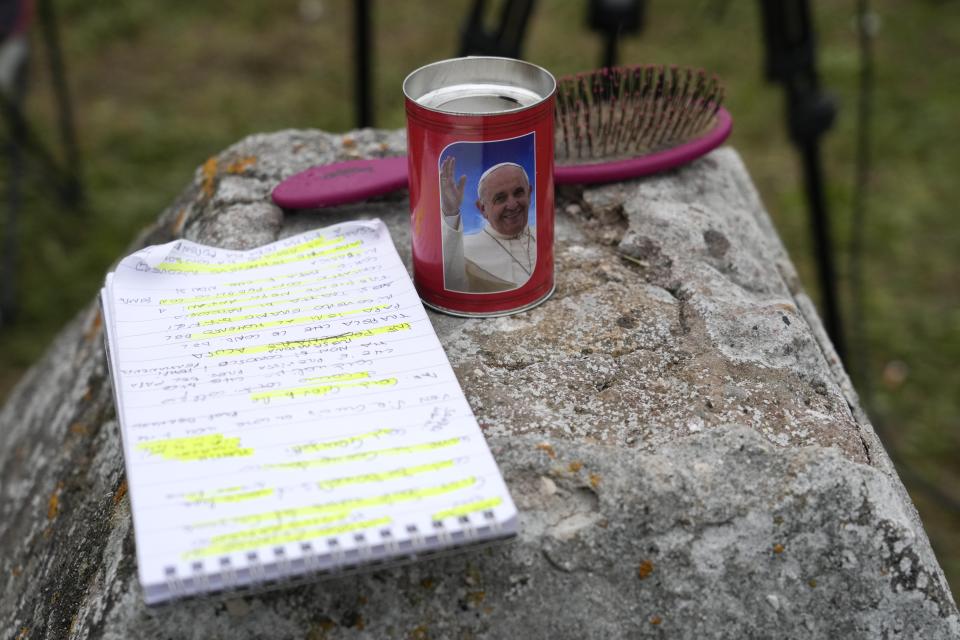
[[289, 402]]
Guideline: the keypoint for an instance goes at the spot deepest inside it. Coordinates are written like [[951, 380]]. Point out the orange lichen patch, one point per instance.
[[120, 493], [326, 624], [595, 480], [209, 172], [88, 394], [17, 571], [778, 548], [645, 569], [318, 631], [362, 600], [812, 582], [383, 146], [427, 583], [488, 610], [177, 227], [53, 504], [603, 524], [419, 633], [656, 620], [79, 429], [476, 597], [358, 623], [93, 329], [241, 164], [348, 142], [575, 466], [24, 633], [546, 448]]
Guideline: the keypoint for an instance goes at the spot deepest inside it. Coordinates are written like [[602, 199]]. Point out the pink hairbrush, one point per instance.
[[611, 125]]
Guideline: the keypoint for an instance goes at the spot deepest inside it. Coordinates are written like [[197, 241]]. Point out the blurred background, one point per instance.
[[121, 101]]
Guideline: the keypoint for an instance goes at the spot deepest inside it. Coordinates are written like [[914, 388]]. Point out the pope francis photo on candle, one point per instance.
[[489, 244]]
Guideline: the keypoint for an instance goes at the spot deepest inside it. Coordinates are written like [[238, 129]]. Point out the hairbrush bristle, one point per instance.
[[630, 111]]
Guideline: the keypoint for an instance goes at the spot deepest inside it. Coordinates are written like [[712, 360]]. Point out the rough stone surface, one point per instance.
[[688, 456]]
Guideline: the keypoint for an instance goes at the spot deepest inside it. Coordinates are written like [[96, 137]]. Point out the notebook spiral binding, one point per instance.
[[280, 571]]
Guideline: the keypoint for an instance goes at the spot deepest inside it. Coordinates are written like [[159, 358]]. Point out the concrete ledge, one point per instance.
[[687, 453]]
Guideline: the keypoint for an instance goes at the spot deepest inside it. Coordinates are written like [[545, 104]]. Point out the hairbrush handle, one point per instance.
[[356, 180], [342, 182]]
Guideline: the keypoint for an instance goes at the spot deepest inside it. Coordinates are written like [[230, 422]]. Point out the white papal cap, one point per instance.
[[486, 173]]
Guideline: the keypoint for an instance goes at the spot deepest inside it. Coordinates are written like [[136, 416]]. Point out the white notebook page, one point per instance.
[[286, 403]]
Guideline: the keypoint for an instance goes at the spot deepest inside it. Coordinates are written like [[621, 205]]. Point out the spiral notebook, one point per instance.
[[288, 412]]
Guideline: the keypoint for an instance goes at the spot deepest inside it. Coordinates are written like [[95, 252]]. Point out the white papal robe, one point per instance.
[[486, 261]]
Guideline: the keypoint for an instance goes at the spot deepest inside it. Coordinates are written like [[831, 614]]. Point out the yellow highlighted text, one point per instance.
[[322, 390], [385, 476], [280, 528], [466, 509], [342, 442], [202, 267], [207, 447], [367, 455], [229, 497], [285, 322], [283, 538], [314, 342]]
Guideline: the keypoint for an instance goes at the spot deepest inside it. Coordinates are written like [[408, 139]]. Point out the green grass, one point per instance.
[[161, 86]]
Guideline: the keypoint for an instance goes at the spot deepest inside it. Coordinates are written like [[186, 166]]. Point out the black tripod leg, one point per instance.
[[790, 48], [506, 39], [823, 244], [362, 62], [8, 284], [73, 188]]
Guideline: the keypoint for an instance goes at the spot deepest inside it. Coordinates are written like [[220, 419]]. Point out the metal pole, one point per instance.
[[820, 227], [610, 50], [8, 299], [73, 189], [362, 59], [790, 48]]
